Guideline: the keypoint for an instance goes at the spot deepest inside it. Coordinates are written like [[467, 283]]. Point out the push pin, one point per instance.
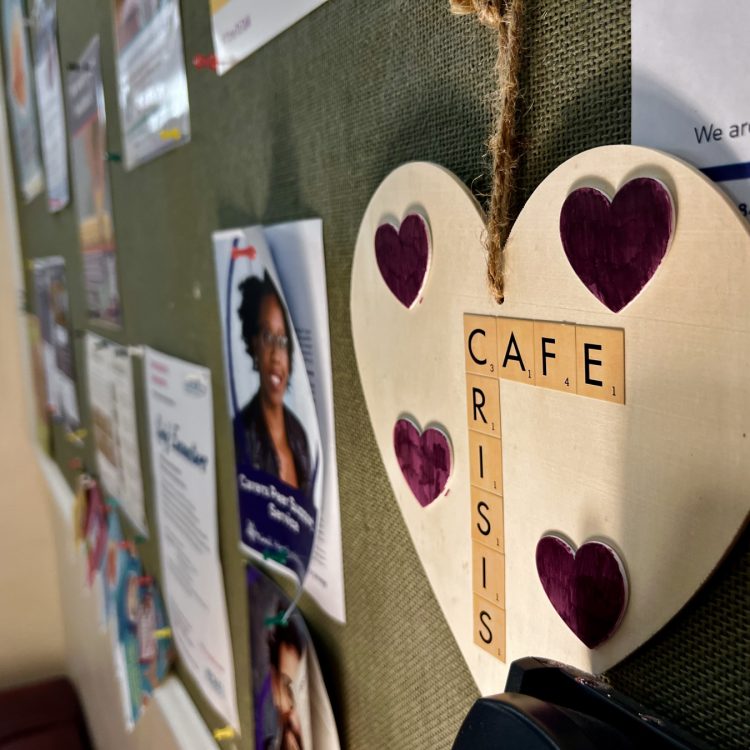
[[145, 581], [75, 464], [277, 555], [127, 545], [205, 62], [112, 156], [111, 502], [77, 67], [162, 634], [140, 539], [243, 252], [223, 734], [279, 619], [77, 436], [171, 134]]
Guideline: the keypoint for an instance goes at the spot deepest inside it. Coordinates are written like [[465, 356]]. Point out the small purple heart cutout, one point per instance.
[[615, 247], [403, 256], [425, 459], [587, 588]]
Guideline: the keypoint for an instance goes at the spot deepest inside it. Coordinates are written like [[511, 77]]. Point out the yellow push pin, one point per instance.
[[172, 134], [162, 633], [77, 436], [223, 734]]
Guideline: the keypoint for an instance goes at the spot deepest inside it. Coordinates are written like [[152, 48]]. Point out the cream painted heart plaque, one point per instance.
[[660, 466]]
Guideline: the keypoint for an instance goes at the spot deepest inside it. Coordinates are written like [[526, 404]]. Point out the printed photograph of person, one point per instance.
[[286, 651], [279, 660], [266, 430]]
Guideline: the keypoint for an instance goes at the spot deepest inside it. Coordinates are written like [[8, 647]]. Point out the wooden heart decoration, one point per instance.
[[425, 459], [663, 476], [615, 247], [403, 256], [588, 588]]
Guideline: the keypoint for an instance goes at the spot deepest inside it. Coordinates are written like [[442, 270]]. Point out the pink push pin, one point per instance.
[[205, 62], [243, 252]]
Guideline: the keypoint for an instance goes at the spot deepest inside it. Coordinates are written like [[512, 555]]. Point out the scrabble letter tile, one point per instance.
[[515, 349], [480, 345], [485, 461], [487, 518], [489, 628], [483, 404], [600, 363], [488, 574], [555, 355]]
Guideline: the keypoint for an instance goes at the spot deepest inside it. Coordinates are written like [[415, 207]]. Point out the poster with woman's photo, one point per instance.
[[93, 199], [291, 708], [49, 91], [21, 102], [274, 314]]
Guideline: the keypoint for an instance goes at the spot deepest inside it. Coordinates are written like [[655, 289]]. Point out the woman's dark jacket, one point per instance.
[[255, 444]]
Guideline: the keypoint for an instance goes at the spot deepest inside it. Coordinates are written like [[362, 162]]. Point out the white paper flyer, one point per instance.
[[113, 415], [240, 27], [181, 435], [689, 86]]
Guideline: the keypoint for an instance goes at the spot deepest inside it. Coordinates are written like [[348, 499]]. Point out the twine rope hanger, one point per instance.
[[505, 17]]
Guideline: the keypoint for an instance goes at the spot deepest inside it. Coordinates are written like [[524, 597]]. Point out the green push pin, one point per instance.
[[277, 555], [276, 620]]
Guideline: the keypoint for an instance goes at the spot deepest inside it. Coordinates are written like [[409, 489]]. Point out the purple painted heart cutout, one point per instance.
[[587, 588], [425, 459], [403, 256], [615, 247]]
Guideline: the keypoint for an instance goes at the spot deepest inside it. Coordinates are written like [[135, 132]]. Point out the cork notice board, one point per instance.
[[309, 126]]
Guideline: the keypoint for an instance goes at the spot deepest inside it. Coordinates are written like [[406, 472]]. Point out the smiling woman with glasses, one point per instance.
[[270, 436]]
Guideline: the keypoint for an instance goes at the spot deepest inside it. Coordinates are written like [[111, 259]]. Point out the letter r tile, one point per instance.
[[483, 404]]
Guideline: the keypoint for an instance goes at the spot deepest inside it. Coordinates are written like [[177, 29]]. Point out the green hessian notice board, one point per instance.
[[309, 126]]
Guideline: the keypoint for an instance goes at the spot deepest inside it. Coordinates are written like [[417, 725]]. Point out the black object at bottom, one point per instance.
[[550, 706]]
